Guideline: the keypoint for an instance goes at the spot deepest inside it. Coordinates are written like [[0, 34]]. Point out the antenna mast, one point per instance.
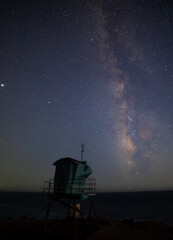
[[82, 151]]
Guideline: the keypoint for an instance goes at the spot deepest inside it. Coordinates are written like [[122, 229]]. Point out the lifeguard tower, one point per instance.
[[71, 184], [71, 179]]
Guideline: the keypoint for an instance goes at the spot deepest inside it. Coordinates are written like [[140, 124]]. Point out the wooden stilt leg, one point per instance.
[[75, 227], [92, 207], [94, 210], [46, 216]]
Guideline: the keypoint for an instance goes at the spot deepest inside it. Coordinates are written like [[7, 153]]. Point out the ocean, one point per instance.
[[142, 206]]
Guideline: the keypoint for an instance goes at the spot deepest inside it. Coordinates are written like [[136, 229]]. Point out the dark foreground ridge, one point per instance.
[[92, 229]]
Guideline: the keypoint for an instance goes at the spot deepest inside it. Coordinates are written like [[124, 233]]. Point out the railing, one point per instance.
[[48, 186], [77, 186], [83, 185]]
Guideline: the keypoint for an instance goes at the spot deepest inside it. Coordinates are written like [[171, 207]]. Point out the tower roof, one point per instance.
[[72, 160]]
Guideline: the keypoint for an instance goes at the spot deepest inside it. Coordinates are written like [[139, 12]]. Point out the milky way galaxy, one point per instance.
[[121, 107]]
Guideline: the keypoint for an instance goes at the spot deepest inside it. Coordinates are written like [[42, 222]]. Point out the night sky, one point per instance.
[[93, 72]]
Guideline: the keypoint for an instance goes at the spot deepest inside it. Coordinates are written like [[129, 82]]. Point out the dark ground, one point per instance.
[[26, 228]]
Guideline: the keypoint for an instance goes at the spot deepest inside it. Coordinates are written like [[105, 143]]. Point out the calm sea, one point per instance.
[[139, 205]]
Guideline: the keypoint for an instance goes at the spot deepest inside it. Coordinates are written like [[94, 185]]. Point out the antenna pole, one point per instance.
[[82, 151]]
